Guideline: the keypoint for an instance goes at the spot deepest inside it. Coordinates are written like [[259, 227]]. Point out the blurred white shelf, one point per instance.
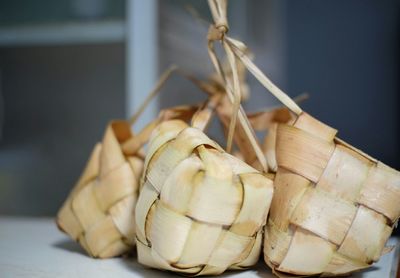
[[64, 33], [33, 247]]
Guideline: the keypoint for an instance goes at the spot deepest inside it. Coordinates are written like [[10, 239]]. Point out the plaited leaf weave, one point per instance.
[[201, 210], [99, 211], [334, 207]]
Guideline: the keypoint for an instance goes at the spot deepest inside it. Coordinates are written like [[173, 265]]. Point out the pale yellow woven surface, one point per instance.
[[201, 210], [99, 212], [333, 207]]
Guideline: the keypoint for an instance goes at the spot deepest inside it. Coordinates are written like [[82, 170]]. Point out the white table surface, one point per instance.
[[33, 247]]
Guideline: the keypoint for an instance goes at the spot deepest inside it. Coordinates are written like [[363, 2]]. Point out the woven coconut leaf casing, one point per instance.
[[334, 207], [99, 211], [201, 210]]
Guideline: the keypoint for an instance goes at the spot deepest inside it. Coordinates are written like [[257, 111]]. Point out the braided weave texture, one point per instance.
[[334, 207], [99, 212], [200, 210]]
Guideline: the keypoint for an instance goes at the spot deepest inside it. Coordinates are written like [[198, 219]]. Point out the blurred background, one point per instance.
[[69, 66]]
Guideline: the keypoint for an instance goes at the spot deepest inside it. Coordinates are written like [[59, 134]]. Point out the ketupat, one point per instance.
[[332, 202], [99, 211], [201, 210]]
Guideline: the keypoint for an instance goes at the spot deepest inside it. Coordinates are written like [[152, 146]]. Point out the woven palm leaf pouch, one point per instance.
[[334, 207], [98, 211], [201, 210]]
